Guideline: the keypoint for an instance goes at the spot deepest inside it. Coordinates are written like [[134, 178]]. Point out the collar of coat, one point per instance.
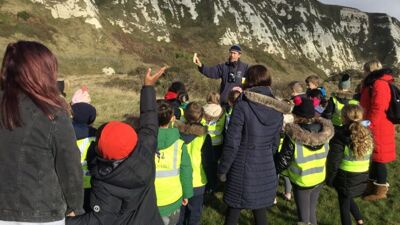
[[269, 101], [191, 129], [344, 94], [305, 137]]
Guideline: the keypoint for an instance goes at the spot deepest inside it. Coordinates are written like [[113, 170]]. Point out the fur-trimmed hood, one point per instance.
[[309, 138], [269, 101], [377, 74], [344, 94], [192, 129]]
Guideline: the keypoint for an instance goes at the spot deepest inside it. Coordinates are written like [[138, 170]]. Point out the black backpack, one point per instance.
[[393, 112]]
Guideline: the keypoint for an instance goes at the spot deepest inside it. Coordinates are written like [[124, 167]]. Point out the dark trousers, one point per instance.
[[347, 206], [232, 216], [378, 172], [306, 203], [86, 200], [191, 213]]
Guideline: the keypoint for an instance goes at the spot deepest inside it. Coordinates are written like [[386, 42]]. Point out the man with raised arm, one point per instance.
[[231, 73]]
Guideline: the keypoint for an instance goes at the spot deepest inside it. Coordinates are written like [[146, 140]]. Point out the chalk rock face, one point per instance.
[[333, 37], [108, 71]]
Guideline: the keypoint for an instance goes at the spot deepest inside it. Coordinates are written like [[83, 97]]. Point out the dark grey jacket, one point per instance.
[[123, 192], [40, 169], [221, 71], [247, 156]]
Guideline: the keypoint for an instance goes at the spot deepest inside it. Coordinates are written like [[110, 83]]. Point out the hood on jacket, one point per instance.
[[313, 135], [378, 74], [190, 131], [167, 137], [262, 102]]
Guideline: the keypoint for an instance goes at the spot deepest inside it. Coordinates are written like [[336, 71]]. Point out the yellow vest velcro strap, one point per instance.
[[303, 159], [306, 172]]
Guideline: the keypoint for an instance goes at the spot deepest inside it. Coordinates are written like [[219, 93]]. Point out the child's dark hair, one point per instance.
[[193, 113], [165, 112], [233, 96], [257, 75], [177, 87], [213, 97]]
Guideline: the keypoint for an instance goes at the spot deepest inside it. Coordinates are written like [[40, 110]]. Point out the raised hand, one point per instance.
[[150, 80], [196, 60]]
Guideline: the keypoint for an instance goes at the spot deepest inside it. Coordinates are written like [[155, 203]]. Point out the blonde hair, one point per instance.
[[372, 65], [296, 87], [213, 97], [314, 79], [361, 139]]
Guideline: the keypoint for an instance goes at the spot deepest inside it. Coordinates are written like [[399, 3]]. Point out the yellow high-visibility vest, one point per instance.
[[83, 145], [337, 114], [308, 167], [167, 183], [194, 150], [215, 130], [351, 164]]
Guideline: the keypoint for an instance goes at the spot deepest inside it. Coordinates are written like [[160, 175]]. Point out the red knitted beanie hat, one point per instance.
[[117, 141]]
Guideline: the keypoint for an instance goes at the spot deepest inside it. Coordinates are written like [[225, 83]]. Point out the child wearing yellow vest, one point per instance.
[[214, 116], [199, 146], [304, 151], [348, 162], [338, 100], [173, 181]]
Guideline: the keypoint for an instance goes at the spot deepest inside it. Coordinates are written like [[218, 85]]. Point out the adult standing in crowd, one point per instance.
[[252, 138], [231, 73], [375, 99], [37, 141]]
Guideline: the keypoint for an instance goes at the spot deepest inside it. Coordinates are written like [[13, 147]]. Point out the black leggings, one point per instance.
[[378, 172], [232, 216], [347, 206], [306, 203]]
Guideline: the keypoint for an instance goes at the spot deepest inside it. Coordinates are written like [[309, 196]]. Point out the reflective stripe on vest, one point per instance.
[[167, 183], [228, 118], [215, 130], [194, 150], [83, 145], [351, 164], [337, 114], [182, 118], [308, 167]]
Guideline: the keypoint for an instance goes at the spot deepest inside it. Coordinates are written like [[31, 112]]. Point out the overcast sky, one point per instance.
[[391, 7]]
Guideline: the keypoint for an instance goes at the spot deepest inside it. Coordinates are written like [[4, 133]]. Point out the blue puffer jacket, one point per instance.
[[251, 140]]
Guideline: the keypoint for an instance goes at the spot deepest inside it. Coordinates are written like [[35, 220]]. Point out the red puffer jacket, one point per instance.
[[375, 102]]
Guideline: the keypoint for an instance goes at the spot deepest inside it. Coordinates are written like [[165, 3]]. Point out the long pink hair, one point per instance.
[[30, 68]]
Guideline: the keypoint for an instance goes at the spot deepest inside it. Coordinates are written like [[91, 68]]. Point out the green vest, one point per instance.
[[194, 150], [168, 184], [350, 163], [308, 167], [83, 145], [215, 129], [337, 114]]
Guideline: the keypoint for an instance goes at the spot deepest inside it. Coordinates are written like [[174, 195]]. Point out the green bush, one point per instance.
[[23, 15]]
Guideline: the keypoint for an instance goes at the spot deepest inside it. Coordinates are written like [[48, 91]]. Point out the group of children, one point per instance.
[[190, 140]]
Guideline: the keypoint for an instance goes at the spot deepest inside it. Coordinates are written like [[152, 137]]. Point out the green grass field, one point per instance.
[[117, 95]]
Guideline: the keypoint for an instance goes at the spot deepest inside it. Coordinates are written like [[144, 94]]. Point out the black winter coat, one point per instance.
[[247, 158], [40, 169], [342, 97], [347, 183], [222, 71], [123, 191]]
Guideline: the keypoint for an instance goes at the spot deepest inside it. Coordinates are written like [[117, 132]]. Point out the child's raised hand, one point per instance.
[[150, 80]]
